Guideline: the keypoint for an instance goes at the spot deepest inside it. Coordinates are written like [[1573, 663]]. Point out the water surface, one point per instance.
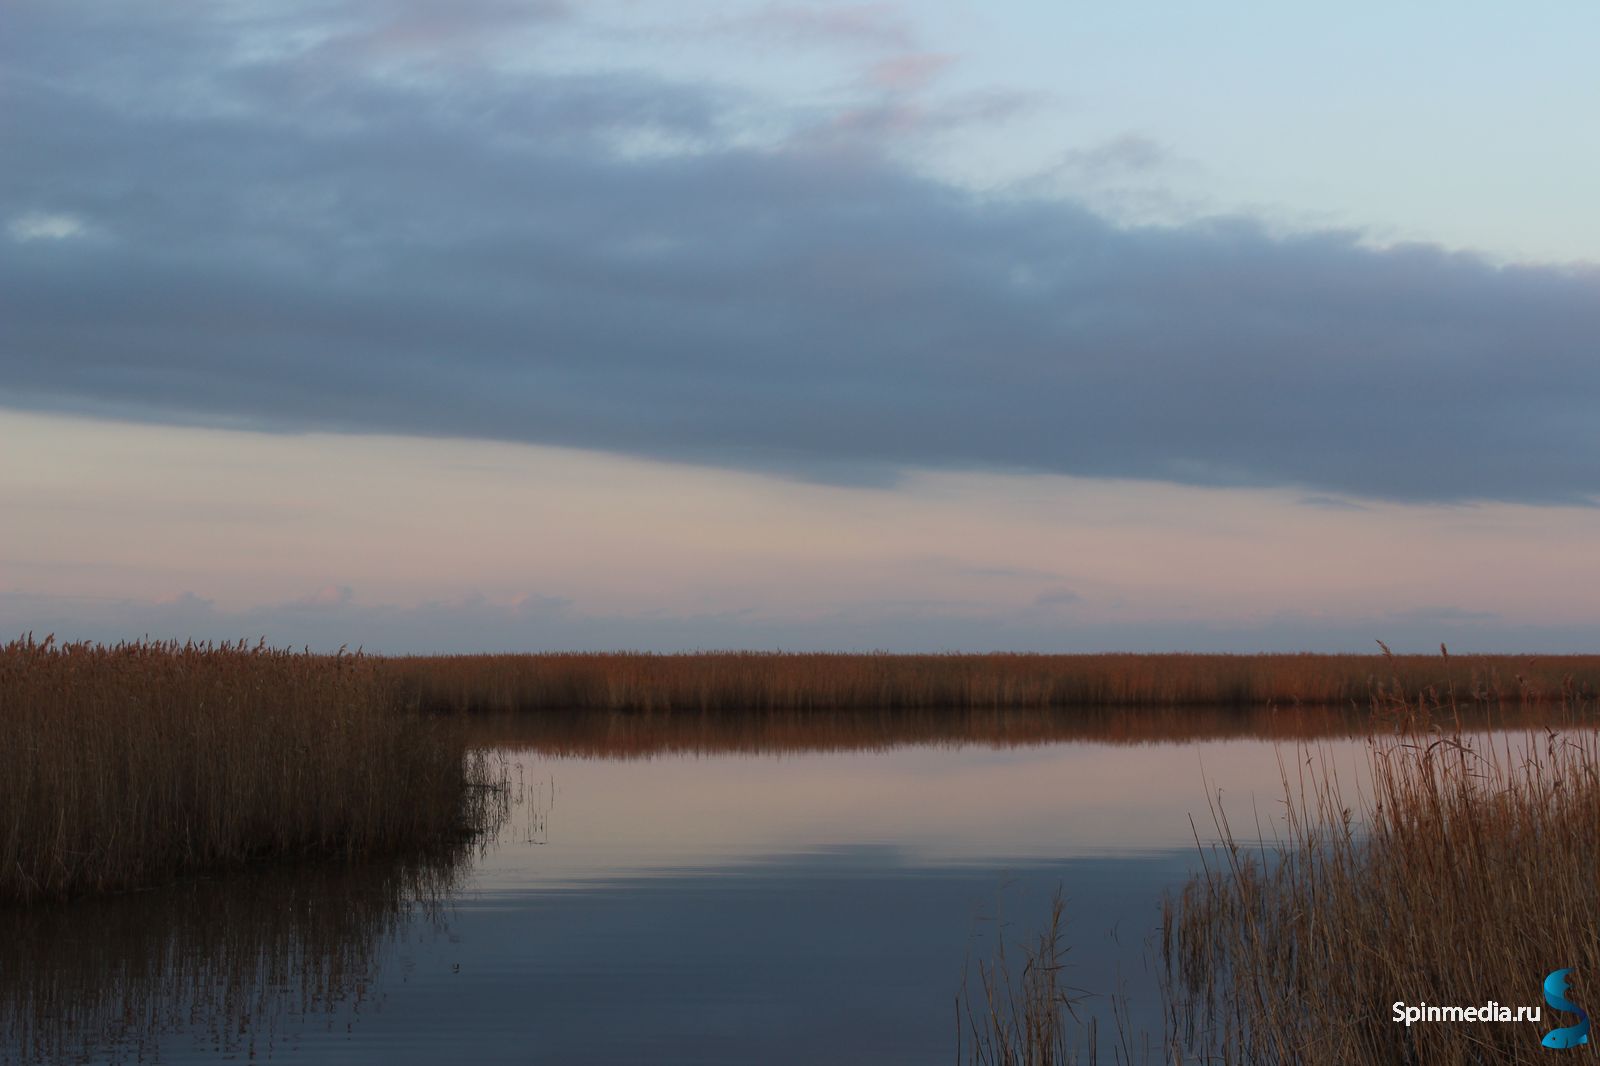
[[787, 888]]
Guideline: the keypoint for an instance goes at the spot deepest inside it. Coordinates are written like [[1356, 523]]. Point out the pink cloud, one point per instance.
[[910, 72], [869, 126], [411, 27], [877, 25]]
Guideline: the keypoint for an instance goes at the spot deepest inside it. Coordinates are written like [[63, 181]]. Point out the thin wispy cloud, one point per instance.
[[1126, 153], [1330, 503], [45, 226], [872, 25], [909, 72]]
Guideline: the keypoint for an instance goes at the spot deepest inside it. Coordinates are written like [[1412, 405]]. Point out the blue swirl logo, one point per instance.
[[1555, 994]]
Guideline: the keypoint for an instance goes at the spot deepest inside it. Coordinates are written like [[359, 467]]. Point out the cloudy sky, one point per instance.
[[528, 324]]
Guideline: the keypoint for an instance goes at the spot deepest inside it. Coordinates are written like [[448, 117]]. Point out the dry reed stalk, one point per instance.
[[1025, 1018]]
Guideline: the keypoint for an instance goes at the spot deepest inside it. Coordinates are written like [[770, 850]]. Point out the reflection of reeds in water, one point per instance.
[[231, 968], [751, 681], [642, 735], [1469, 873], [129, 766]]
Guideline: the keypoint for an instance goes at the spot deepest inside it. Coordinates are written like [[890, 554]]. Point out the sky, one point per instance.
[[527, 324]]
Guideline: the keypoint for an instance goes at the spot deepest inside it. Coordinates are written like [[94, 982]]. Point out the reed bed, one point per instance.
[[128, 766], [1466, 871], [753, 681]]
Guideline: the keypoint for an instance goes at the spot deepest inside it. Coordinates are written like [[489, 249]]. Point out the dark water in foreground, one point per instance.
[[681, 890]]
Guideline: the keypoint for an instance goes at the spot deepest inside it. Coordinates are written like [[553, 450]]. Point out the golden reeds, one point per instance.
[[757, 681], [1468, 872], [1027, 1017], [127, 766]]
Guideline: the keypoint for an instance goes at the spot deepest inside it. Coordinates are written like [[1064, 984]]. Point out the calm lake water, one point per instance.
[[684, 889]]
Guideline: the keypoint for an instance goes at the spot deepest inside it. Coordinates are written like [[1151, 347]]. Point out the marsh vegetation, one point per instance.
[[347, 792], [128, 766], [755, 681], [1466, 871]]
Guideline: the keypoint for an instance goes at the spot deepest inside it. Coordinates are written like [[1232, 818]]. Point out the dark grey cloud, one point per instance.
[[283, 233], [1117, 157]]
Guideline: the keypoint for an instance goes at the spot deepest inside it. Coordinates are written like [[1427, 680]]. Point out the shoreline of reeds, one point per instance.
[[1470, 870], [1461, 867], [1465, 872], [137, 765], [791, 681], [134, 765]]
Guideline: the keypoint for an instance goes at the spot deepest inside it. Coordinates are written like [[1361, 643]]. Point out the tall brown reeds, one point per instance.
[[756, 681], [1468, 871], [127, 766], [1026, 1016]]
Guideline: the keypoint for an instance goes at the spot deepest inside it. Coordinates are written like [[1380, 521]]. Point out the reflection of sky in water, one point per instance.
[[834, 957], [798, 907], [914, 806]]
